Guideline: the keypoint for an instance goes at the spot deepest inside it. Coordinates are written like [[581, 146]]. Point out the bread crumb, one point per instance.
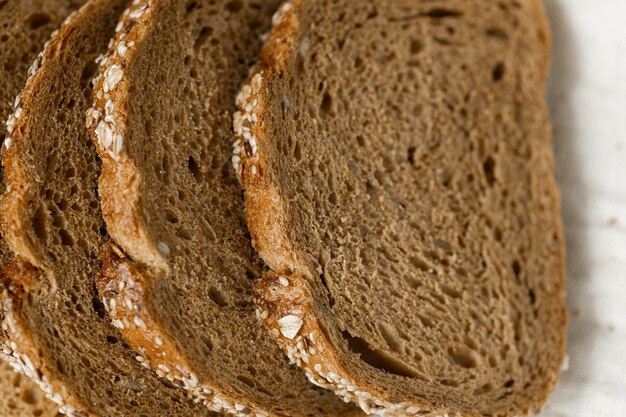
[[611, 222]]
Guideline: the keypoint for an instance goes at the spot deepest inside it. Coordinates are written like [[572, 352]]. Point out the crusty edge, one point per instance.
[[121, 286], [120, 181], [285, 299], [16, 346]]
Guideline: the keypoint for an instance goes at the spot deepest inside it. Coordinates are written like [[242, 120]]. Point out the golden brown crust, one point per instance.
[[106, 122], [120, 286], [288, 294]]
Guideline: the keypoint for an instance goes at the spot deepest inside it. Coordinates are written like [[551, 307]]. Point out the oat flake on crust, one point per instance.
[[21, 363], [103, 118]]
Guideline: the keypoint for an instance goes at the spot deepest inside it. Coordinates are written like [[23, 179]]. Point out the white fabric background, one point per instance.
[[587, 98]]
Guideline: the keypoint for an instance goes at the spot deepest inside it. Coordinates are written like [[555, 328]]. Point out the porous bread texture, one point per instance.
[[25, 25], [56, 329], [398, 174], [21, 397], [178, 285]]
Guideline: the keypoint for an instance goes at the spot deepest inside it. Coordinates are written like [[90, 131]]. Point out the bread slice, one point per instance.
[[398, 173], [179, 285], [57, 328], [25, 25]]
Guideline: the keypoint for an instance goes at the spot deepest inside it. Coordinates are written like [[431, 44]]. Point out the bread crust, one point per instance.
[[287, 298]]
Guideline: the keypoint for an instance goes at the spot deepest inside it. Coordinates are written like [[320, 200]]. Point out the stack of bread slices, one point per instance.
[[261, 208]]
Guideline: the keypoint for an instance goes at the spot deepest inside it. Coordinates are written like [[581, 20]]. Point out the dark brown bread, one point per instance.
[[25, 25], [57, 329], [398, 175], [179, 286]]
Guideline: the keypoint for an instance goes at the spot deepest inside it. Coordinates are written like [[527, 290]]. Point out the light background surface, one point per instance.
[[587, 98]]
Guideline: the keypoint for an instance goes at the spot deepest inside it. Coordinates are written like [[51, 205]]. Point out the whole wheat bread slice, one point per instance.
[[163, 120], [57, 328], [398, 173], [25, 25]]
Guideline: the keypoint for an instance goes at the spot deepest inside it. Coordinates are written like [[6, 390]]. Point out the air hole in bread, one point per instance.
[[420, 263], [233, 6], [489, 169], [98, 307], [483, 389], [463, 357], [88, 73], [30, 396], [112, 340], [390, 336], [171, 216], [451, 291], [331, 298], [9, 66], [416, 46], [218, 297], [497, 33], [191, 6], [148, 126], [297, 152], [449, 382], [204, 35], [441, 13], [246, 380], [517, 269], [444, 175], [37, 20], [327, 104], [193, 167], [66, 238], [497, 234], [377, 358], [40, 220], [208, 343], [60, 367], [498, 72]]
